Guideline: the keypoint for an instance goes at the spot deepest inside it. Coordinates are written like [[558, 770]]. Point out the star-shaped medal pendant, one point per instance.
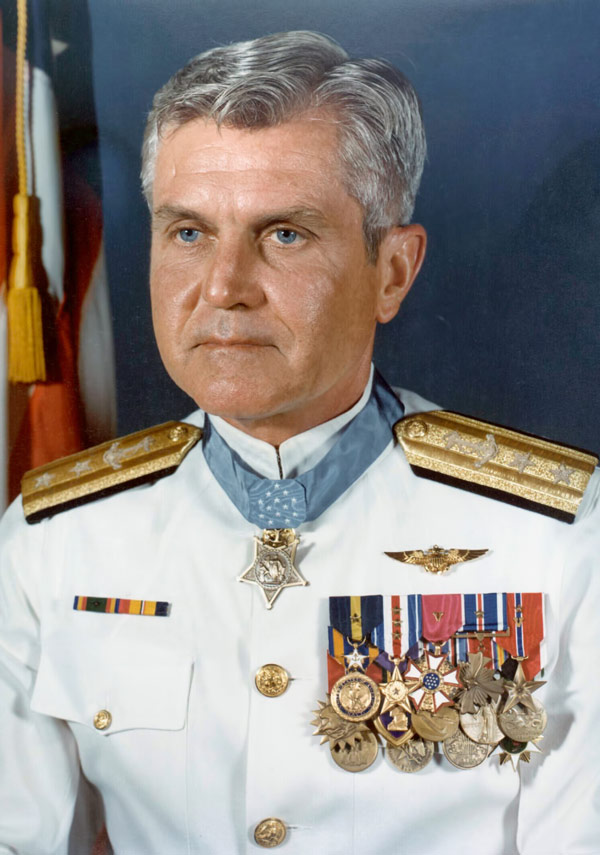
[[432, 682], [273, 566], [520, 689]]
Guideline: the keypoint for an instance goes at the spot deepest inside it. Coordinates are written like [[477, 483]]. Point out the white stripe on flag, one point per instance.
[[45, 178]]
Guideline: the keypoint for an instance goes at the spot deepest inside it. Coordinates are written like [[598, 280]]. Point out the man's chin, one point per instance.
[[242, 404]]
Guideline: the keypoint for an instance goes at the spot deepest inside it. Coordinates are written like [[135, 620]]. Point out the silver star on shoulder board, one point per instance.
[[273, 567]]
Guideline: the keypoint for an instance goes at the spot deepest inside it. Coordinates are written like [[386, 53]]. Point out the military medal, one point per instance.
[[394, 720], [521, 750], [431, 686], [520, 689], [353, 747], [463, 753], [482, 726], [357, 752], [479, 684], [414, 670], [412, 756], [355, 697], [273, 567], [521, 723], [438, 726], [278, 506]]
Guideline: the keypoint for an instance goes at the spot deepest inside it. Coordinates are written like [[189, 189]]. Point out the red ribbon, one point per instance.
[[442, 616]]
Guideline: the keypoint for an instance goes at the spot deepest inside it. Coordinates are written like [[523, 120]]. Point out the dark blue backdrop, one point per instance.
[[503, 321]]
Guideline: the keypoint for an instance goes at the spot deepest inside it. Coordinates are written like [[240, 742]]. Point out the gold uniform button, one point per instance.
[[270, 833], [272, 680], [102, 720]]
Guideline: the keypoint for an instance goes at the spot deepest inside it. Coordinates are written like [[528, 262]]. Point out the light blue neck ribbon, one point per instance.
[[288, 502]]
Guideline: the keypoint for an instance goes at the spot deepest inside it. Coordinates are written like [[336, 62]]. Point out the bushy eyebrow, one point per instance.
[[170, 213], [306, 216]]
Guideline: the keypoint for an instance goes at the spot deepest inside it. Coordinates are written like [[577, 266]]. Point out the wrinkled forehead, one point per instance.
[[296, 156]]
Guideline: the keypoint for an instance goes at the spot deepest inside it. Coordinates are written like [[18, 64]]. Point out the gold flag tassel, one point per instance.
[[26, 363]]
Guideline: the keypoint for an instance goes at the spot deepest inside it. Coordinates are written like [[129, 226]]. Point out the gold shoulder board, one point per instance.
[[106, 469], [504, 464]]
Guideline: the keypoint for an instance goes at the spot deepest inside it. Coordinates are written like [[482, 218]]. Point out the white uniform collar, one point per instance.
[[297, 454]]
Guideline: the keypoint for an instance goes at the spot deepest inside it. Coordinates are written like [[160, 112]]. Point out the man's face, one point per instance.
[[264, 303]]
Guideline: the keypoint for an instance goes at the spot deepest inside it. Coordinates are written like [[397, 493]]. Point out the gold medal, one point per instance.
[[355, 697], [330, 726], [413, 756], [521, 723], [463, 753], [482, 726], [436, 727], [352, 745], [273, 567], [394, 720], [356, 752]]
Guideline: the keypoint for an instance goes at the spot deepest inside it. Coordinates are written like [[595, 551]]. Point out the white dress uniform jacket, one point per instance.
[[195, 756]]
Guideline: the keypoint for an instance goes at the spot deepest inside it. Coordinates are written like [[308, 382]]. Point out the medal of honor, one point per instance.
[[273, 567], [278, 506]]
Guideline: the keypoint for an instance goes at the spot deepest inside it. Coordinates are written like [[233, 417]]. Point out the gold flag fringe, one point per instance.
[[26, 363]]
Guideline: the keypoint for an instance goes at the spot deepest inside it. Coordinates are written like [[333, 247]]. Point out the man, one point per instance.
[[178, 601]]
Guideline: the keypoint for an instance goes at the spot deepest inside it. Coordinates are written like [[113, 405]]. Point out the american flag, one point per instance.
[[75, 406]]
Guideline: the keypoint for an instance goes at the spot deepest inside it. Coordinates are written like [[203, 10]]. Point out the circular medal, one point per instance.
[[412, 756], [438, 726], [463, 753], [482, 726], [523, 724], [355, 753], [355, 697]]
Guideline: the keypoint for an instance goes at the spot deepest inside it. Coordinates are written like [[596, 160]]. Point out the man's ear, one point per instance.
[[401, 254]]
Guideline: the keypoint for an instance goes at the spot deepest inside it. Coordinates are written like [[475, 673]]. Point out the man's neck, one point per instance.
[[295, 455]]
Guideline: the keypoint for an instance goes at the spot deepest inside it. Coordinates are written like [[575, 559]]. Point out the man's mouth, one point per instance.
[[215, 342]]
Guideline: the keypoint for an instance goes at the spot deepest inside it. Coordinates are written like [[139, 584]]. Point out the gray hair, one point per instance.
[[270, 80]]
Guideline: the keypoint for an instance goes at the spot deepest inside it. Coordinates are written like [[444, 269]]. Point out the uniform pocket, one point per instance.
[[139, 686]]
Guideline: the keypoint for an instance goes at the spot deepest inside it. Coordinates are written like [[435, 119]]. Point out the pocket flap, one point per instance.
[[140, 687]]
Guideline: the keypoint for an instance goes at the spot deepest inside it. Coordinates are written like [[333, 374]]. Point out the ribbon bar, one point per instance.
[[116, 605]]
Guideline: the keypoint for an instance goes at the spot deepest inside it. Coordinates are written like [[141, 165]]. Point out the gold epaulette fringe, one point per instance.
[[504, 464], [106, 469]]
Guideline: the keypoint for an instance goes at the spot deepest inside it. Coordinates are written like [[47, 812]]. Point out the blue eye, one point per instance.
[[286, 236], [188, 235]]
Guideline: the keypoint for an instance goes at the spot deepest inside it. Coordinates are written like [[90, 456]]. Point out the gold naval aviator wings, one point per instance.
[[106, 469], [494, 461]]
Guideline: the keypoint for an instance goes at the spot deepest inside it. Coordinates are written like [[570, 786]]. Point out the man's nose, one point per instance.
[[231, 276]]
